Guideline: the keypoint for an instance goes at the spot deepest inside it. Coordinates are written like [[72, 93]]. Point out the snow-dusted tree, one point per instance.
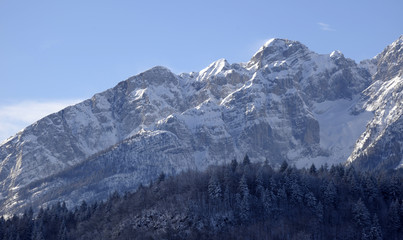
[[234, 165], [283, 166], [361, 215], [227, 197], [37, 235], [244, 207], [375, 232], [246, 160], [319, 211], [330, 194], [259, 183], [62, 235], [296, 193], [214, 188], [312, 169], [370, 189], [394, 187], [268, 202], [394, 223], [310, 200]]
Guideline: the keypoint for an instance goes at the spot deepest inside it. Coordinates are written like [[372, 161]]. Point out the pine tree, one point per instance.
[[244, 207], [310, 200], [296, 193], [319, 211], [259, 183], [394, 187], [234, 165], [361, 215], [2, 227], [283, 166], [393, 217], [161, 177], [267, 200], [62, 235], [246, 160], [214, 188], [330, 194], [375, 233], [371, 189], [37, 235], [227, 198], [312, 169]]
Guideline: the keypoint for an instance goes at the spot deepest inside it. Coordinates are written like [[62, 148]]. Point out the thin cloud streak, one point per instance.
[[15, 117], [325, 27]]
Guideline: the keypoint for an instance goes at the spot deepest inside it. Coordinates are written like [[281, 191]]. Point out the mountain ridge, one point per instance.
[[275, 107]]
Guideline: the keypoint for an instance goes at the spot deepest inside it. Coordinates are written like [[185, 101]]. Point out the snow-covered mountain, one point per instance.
[[286, 103], [381, 145]]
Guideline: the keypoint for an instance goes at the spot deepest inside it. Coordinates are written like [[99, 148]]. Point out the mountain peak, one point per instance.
[[276, 49], [279, 44], [214, 68], [275, 42], [155, 76], [390, 61], [336, 54]]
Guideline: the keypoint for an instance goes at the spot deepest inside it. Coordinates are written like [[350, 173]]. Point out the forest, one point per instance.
[[239, 200]]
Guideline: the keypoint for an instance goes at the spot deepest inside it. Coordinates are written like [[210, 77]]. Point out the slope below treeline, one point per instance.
[[234, 201]]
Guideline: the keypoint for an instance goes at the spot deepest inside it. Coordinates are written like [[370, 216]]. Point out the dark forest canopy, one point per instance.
[[236, 201]]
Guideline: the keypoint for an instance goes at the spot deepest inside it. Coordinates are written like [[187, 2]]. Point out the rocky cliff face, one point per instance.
[[286, 103], [380, 146]]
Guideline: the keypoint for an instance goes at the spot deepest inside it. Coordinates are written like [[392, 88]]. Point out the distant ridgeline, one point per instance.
[[234, 201]]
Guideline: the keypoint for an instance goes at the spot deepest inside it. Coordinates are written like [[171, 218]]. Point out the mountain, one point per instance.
[[286, 103], [381, 145]]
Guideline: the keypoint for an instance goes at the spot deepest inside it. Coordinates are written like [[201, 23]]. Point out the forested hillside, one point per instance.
[[236, 201]]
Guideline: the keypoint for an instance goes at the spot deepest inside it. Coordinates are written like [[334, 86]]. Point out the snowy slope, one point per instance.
[[381, 144], [286, 103]]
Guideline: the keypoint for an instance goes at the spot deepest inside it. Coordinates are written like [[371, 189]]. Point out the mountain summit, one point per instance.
[[286, 103]]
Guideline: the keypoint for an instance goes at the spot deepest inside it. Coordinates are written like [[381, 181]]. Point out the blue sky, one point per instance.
[[55, 53]]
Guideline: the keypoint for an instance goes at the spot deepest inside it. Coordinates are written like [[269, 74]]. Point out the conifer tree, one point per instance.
[[246, 160], [361, 215], [214, 188], [283, 166]]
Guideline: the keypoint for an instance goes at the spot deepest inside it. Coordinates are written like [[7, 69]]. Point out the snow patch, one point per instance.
[[339, 129]]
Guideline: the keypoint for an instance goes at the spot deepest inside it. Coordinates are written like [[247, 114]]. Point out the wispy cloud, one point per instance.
[[326, 27], [15, 117]]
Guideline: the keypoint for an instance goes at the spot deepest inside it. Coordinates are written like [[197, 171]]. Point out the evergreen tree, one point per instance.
[[296, 193], [267, 200], [214, 188], [244, 207], [375, 233], [62, 235], [161, 177], [234, 165], [38, 235], [227, 198], [283, 166], [330, 194], [319, 211], [259, 183], [2, 227], [310, 200], [361, 215], [393, 217], [246, 160], [312, 169]]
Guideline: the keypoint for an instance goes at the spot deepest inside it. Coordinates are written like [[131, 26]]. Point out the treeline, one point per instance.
[[235, 201]]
